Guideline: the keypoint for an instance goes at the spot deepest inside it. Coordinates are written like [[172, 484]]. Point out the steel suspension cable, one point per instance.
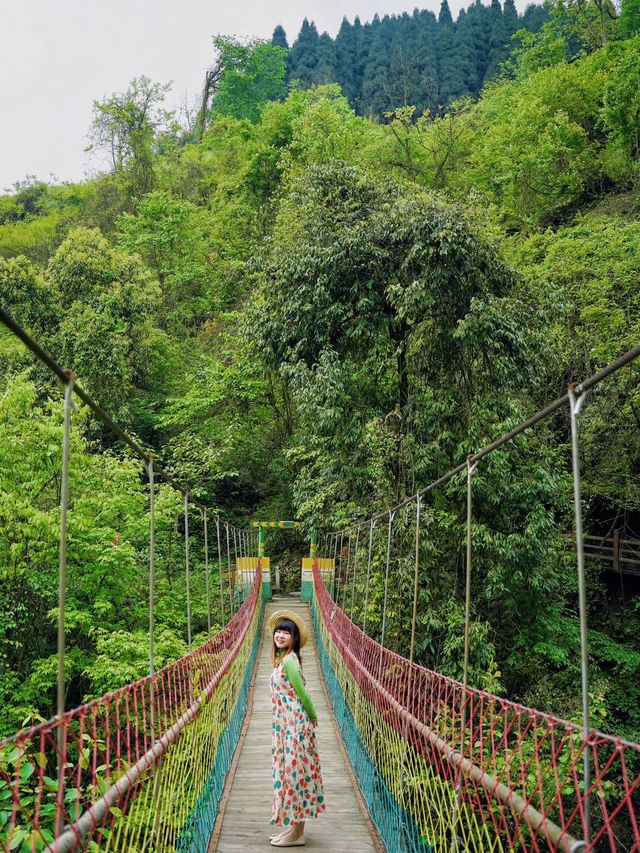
[[66, 378], [68, 381], [542, 414], [464, 766]]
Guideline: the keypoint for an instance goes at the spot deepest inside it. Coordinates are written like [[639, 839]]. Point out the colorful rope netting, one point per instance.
[[507, 778], [141, 769]]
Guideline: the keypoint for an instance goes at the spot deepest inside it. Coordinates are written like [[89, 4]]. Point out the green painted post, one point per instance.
[[267, 589]]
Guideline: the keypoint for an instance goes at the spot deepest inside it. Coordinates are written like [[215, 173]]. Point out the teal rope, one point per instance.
[[396, 827], [196, 832]]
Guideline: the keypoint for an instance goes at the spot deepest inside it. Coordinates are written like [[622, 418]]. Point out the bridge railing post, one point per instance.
[[366, 589], [186, 567], [224, 621], [471, 467], [386, 589], [206, 566], [576, 401], [152, 559], [62, 584], [230, 585]]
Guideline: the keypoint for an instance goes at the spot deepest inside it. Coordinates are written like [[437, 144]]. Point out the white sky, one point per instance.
[[57, 56]]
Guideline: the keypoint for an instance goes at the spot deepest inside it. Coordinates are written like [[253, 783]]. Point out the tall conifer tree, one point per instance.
[[345, 52], [326, 71], [279, 38], [450, 77], [303, 57]]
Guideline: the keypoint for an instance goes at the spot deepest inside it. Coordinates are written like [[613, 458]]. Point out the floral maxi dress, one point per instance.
[[297, 783]]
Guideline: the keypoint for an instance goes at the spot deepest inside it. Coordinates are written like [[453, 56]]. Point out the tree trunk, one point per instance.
[[211, 79]]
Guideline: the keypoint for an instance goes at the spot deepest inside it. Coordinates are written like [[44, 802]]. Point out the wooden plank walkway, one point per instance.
[[247, 812]]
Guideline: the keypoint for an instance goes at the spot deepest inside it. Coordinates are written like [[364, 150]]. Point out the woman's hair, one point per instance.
[[290, 626]]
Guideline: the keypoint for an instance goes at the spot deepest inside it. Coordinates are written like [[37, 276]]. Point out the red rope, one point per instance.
[[102, 737], [527, 760]]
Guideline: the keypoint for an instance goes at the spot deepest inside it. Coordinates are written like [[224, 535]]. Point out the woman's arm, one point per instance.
[[292, 668]]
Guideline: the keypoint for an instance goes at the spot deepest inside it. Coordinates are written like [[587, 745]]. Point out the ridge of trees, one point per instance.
[[417, 59]]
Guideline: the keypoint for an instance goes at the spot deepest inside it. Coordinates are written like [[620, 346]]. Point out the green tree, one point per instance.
[[108, 306], [346, 49], [387, 259], [251, 75], [170, 235], [535, 51], [303, 56], [279, 38], [621, 110], [537, 136], [25, 294], [592, 22], [450, 65], [629, 18], [127, 127]]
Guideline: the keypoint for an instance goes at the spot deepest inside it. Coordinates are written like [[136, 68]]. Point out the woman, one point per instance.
[[297, 782]]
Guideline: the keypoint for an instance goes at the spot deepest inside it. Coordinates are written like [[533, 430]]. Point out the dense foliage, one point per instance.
[[307, 313]]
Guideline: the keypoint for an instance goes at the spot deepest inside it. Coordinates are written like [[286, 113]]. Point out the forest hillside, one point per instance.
[[307, 312]]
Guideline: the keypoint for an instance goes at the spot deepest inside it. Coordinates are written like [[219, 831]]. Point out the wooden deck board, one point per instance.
[[245, 824]]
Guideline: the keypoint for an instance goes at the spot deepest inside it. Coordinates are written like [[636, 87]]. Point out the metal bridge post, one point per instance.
[[353, 582], [366, 591], [152, 559], [224, 621], [206, 566], [338, 574], [386, 586], [226, 524], [186, 567], [576, 401], [62, 571], [414, 614], [346, 575], [471, 467]]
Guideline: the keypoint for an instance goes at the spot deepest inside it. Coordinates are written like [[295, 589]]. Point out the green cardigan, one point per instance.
[[291, 666]]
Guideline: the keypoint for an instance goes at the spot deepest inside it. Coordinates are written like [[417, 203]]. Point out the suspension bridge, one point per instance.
[[174, 761]]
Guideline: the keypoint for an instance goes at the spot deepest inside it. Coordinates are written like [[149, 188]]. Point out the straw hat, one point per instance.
[[294, 617]]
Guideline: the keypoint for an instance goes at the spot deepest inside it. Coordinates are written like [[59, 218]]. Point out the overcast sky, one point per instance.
[[57, 56]]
